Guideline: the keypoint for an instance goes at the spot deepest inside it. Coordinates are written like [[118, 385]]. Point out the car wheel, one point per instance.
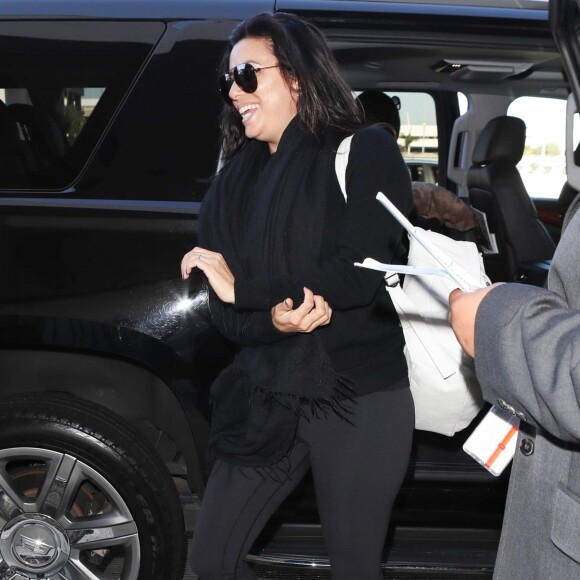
[[82, 496]]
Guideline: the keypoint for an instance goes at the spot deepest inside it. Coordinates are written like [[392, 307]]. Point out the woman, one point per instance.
[[320, 379]]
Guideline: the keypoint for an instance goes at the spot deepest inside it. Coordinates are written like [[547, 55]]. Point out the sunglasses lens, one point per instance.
[[245, 77]]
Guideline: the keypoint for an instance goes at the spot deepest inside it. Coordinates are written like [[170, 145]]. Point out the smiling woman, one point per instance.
[[301, 392], [267, 106]]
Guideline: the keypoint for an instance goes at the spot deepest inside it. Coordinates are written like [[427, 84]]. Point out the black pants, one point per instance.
[[357, 470]]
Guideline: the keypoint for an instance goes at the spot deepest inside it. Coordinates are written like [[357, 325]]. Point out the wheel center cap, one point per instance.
[[35, 545]]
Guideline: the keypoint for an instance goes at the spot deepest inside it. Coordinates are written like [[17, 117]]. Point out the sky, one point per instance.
[[543, 117]]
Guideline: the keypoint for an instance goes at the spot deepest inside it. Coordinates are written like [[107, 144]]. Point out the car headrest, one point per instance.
[[502, 139]]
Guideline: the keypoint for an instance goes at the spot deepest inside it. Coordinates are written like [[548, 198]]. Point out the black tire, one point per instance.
[[118, 486]]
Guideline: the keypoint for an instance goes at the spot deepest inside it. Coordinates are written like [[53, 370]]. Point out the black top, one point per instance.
[[281, 223], [364, 340]]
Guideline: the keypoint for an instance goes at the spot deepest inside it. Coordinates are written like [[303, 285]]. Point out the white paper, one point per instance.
[[493, 442]]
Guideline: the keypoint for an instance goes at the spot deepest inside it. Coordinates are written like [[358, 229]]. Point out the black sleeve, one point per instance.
[[244, 328], [368, 230]]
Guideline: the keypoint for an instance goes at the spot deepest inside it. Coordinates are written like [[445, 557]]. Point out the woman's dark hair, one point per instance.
[[323, 97]]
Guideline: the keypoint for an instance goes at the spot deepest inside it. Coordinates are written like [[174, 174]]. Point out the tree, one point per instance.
[[408, 139]]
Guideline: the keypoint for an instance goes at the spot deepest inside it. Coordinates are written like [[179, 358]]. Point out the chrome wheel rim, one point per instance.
[[61, 520]]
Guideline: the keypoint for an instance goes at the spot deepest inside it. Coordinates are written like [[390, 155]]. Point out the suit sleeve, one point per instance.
[[368, 230], [527, 353]]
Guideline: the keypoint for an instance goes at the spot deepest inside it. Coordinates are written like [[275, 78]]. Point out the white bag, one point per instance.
[[445, 391]]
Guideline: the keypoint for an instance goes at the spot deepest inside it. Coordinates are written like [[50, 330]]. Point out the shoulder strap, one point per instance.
[[341, 161]]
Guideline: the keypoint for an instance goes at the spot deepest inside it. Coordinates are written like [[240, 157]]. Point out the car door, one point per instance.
[[564, 20]]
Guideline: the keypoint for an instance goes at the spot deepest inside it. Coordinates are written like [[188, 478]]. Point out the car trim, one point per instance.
[[186, 207], [131, 9], [386, 7]]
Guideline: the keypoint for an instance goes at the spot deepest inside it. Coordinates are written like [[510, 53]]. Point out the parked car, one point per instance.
[[423, 169], [108, 142]]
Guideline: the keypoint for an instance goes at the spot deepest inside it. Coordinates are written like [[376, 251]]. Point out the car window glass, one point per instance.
[[166, 147], [462, 103], [60, 85], [576, 131], [75, 106], [543, 165], [418, 139]]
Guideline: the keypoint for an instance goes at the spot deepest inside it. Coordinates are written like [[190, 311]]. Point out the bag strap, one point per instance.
[[341, 161]]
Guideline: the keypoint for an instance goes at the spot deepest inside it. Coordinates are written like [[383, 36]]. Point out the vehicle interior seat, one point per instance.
[[568, 193], [43, 140], [12, 159], [495, 187]]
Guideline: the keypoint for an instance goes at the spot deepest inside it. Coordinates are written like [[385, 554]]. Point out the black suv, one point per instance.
[[108, 142]]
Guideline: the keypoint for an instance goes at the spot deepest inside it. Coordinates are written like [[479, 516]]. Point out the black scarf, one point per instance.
[[265, 214]]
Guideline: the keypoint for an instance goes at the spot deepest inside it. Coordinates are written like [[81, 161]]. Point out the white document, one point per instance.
[[448, 267], [487, 240], [493, 441]]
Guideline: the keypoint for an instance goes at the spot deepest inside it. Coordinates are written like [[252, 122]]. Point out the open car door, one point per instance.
[[565, 22]]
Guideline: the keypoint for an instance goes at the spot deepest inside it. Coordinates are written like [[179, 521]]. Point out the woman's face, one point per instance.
[[267, 112]]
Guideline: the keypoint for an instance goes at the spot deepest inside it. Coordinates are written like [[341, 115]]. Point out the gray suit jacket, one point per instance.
[[527, 345]]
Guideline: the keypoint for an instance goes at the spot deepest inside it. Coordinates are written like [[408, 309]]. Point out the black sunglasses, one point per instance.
[[245, 77]]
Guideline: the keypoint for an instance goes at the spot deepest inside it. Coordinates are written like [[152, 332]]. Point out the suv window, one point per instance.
[[166, 147], [418, 138], [60, 85], [74, 106], [543, 165]]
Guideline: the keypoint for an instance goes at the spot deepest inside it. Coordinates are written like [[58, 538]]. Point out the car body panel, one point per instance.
[[67, 294]]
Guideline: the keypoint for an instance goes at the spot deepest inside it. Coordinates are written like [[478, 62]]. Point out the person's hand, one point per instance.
[[311, 314], [462, 312], [215, 268]]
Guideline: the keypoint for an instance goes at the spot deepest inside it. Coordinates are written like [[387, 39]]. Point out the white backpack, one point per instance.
[[445, 391]]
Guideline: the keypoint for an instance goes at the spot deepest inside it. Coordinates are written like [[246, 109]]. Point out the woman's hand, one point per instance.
[[311, 314], [215, 268], [462, 312]]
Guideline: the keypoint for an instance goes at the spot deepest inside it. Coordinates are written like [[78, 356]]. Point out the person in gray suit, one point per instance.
[[526, 344]]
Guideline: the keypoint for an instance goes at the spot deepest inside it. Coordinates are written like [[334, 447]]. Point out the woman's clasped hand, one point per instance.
[[311, 314]]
